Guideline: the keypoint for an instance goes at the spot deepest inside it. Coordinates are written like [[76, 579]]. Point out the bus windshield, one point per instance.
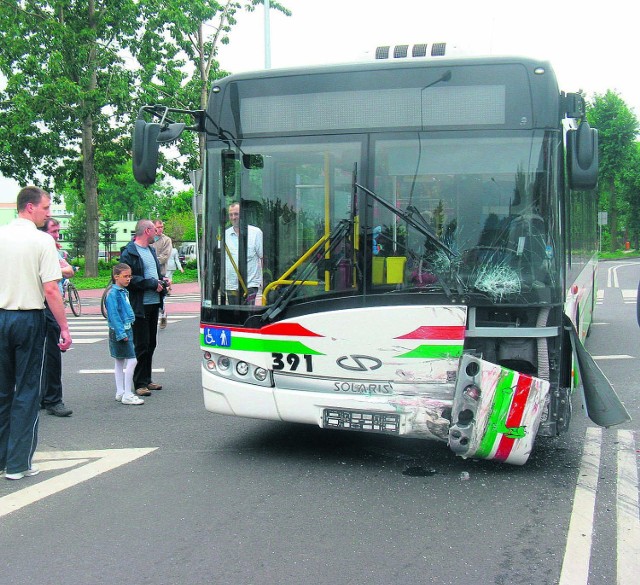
[[437, 213]]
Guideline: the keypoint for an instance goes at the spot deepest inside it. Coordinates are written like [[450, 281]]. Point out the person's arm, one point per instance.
[[67, 269], [56, 306]]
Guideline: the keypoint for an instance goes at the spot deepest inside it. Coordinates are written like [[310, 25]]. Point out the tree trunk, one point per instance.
[[88, 166], [613, 216], [90, 198]]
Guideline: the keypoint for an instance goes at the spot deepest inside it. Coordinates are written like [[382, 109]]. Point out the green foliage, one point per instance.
[[83, 282], [617, 130], [72, 90], [76, 232]]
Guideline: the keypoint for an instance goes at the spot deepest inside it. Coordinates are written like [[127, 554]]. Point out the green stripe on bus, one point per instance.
[[434, 351], [264, 345], [499, 412]]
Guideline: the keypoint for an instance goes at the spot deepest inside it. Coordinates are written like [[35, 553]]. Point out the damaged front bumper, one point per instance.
[[496, 412]]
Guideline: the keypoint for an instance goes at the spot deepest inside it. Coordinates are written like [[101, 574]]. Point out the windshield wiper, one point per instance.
[[415, 219], [418, 223]]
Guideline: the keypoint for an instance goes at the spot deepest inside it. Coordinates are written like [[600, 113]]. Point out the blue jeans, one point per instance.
[[22, 356]]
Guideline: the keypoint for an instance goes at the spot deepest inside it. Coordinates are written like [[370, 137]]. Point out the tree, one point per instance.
[[107, 235], [630, 191], [68, 94], [76, 232], [617, 128], [193, 29]]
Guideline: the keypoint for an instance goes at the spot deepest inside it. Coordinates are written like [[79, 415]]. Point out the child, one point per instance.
[[120, 317]]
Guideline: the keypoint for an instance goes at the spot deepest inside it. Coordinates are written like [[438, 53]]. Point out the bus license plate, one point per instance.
[[379, 422]]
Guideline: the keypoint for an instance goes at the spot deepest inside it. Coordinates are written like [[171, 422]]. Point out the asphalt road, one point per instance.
[[167, 493]]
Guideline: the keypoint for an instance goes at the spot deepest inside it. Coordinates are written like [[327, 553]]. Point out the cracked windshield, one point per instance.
[[449, 215]]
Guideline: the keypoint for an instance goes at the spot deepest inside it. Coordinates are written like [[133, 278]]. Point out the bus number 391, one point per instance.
[[292, 362]]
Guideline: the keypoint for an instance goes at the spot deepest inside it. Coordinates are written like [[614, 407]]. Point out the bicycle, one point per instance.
[[71, 297], [103, 300]]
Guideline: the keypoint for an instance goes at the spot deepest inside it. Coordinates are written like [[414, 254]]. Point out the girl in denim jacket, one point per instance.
[[120, 317]]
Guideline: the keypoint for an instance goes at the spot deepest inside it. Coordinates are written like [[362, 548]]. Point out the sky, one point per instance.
[[590, 48]]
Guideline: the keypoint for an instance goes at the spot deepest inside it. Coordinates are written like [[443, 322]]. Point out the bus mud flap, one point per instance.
[[496, 412], [600, 399]]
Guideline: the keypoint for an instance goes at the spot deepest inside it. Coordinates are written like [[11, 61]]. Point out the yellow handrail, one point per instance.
[[283, 279]]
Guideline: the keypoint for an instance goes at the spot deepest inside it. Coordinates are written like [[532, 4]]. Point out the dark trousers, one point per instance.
[[145, 334], [22, 355], [52, 390]]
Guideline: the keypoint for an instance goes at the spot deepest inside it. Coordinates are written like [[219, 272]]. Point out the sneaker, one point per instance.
[[118, 397], [154, 386], [59, 409], [133, 399], [33, 470], [163, 322], [143, 391]]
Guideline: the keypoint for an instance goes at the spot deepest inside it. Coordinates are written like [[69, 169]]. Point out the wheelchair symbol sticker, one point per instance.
[[219, 337]]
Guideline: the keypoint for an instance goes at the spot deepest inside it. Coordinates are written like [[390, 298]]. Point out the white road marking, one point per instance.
[[84, 465], [627, 511], [577, 555], [110, 371], [621, 356]]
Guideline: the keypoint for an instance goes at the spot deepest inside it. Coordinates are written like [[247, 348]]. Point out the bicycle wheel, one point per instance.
[[74, 300], [103, 300]]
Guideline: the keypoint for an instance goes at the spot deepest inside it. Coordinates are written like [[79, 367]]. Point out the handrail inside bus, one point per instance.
[[335, 237]]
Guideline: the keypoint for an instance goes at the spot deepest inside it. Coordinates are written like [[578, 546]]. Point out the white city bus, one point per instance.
[[429, 243]]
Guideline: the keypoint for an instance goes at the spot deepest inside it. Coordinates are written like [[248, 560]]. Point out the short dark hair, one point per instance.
[[30, 194], [47, 222]]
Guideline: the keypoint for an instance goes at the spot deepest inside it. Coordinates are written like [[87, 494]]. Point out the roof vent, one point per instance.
[[438, 49], [382, 52], [400, 51], [418, 50]]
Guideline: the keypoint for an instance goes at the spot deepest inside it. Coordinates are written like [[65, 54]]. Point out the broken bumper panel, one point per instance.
[[496, 412]]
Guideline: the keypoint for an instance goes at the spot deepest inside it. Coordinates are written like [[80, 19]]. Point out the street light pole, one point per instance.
[[267, 35]]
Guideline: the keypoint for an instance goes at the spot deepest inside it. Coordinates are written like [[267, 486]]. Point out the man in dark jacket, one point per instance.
[[146, 295]]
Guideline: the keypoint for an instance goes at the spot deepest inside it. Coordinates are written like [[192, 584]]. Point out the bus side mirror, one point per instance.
[[145, 151], [147, 137], [582, 157]]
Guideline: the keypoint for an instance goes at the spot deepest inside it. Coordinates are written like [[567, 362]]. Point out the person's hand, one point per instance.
[[125, 339], [65, 340]]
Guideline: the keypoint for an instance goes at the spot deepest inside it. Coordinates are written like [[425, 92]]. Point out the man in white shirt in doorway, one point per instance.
[[238, 291]]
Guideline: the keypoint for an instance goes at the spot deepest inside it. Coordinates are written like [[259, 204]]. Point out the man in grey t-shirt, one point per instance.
[[147, 290]]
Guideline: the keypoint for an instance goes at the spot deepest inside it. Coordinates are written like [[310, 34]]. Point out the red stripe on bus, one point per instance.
[[436, 332], [292, 329], [514, 418]]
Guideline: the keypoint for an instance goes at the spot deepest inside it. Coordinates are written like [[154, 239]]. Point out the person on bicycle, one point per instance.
[[52, 388]]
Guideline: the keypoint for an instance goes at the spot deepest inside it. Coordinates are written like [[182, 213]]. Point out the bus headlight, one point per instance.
[[260, 374], [224, 363], [242, 368]]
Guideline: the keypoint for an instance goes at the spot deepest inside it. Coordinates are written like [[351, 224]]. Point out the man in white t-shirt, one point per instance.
[[241, 291], [29, 273]]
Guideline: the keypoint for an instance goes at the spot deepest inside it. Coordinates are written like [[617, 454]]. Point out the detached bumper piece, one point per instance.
[[496, 412]]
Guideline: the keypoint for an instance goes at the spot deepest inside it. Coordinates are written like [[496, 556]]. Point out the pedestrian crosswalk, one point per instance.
[[93, 328], [629, 295], [183, 298]]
